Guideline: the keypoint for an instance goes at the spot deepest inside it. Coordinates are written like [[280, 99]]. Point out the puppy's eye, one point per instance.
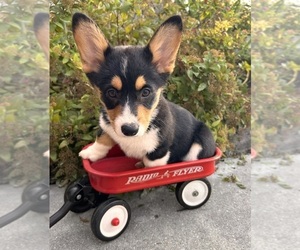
[[112, 93], [146, 92]]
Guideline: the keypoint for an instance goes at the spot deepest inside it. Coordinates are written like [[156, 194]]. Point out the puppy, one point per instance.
[[135, 113]]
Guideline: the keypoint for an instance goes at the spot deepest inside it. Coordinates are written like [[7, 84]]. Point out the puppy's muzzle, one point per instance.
[[130, 129]]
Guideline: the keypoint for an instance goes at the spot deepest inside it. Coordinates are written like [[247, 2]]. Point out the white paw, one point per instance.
[[47, 154], [94, 152]]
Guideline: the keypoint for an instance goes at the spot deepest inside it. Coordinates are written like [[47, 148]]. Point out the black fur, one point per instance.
[[179, 129]]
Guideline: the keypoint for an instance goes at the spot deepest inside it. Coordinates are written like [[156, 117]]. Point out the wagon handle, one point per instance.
[[15, 214], [60, 213], [35, 197]]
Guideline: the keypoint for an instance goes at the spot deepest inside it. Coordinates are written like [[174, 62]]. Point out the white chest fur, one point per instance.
[[133, 146]]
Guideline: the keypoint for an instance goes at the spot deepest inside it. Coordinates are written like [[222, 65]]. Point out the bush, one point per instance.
[[24, 91], [275, 74], [210, 79]]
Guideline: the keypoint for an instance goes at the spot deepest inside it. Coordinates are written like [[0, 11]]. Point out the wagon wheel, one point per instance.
[[83, 196], [110, 219], [193, 194], [38, 194]]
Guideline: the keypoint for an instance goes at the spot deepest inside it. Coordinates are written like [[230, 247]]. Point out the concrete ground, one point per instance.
[[29, 232], [260, 211], [159, 222], [275, 204]]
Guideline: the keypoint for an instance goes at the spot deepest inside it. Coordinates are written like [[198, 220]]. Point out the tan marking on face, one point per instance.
[[114, 113], [91, 44], [116, 82], [164, 47], [144, 114], [140, 83], [106, 140]]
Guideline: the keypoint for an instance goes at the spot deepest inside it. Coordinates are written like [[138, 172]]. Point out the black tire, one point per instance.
[[193, 194], [112, 211], [37, 193], [86, 197]]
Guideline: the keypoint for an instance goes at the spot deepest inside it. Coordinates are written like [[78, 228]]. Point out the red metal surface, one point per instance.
[[117, 173]]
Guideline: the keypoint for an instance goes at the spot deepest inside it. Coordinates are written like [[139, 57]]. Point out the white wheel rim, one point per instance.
[[194, 193], [118, 213]]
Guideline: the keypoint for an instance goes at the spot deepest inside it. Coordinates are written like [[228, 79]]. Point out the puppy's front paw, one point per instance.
[[94, 152]]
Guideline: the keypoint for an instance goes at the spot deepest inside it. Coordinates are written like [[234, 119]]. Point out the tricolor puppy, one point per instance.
[[135, 113]]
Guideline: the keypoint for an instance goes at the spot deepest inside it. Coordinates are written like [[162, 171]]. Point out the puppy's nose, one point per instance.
[[130, 129]]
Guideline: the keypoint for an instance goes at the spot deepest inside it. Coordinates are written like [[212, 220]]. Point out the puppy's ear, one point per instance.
[[41, 30], [90, 42], [165, 43]]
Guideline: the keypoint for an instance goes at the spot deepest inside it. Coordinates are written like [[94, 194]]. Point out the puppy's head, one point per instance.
[[130, 78]]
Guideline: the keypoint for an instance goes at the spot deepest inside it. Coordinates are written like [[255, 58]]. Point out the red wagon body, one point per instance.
[[117, 173]]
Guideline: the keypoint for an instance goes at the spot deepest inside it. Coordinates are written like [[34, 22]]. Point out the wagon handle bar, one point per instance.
[[60, 213], [16, 213]]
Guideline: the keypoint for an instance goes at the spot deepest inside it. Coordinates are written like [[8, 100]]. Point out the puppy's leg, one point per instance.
[[99, 149], [193, 153], [157, 158], [204, 144]]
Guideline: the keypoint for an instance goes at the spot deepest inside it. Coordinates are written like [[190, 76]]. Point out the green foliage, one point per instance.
[[210, 78], [276, 65], [72, 123], [24, 91]]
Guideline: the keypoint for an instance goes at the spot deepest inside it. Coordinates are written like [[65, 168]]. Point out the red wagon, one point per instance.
[[118, 174]]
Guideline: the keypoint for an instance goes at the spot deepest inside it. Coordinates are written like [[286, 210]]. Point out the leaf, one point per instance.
[[20, 144], [2, 91], [5, 155], [215, 67], [55, 118], [69, 72], [190, 74], [128, 29], [65, 60], [63, 144], [202, 65], [15, 26], [59, 25], [59, 173], [284, 185], [87, 137], [240, 185], [10, 118], [201, 87], [23, 60], [126, 7], [215, 123], [170, 96], [53, 156]]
